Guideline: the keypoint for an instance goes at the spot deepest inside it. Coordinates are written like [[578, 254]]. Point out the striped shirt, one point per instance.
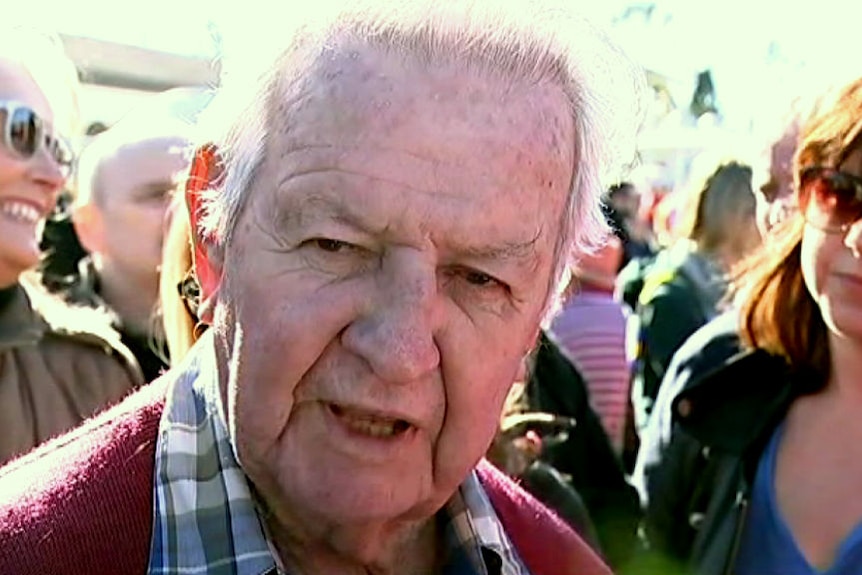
[[591, 331]]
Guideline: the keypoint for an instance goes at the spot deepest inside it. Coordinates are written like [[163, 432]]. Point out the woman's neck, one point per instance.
[[846, 365]]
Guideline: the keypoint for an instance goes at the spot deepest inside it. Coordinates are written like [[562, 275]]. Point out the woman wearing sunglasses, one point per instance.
[[760, 469], [57, 365]]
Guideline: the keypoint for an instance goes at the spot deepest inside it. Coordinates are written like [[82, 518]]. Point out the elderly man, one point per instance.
[[379, 233]]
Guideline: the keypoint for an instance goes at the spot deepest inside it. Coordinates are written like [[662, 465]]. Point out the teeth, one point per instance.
[[21, 212], [372, 428]]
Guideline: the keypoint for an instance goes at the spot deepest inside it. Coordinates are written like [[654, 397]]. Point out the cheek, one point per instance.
[[475, 392], [282, 329], [11, 172], [816, 260]]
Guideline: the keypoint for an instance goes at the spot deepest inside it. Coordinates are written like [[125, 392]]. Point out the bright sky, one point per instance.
[[179, 26], [760, 51]]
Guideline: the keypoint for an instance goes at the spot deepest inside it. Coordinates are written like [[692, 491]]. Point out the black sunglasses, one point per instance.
[[831, 200], [24, 132]]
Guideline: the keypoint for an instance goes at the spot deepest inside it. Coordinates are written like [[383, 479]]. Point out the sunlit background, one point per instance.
[[753, 57]]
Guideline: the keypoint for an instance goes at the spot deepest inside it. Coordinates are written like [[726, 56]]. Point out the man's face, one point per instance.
[[135, 187], [385, 281], [773, 182]]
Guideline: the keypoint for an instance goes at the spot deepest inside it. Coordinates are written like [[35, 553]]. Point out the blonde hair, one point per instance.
[[177, 319], [718, 206]]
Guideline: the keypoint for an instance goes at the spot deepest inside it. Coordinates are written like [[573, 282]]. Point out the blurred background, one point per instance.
[[720, 71]]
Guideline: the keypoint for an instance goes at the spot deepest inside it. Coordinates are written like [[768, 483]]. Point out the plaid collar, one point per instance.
[[206, 519]]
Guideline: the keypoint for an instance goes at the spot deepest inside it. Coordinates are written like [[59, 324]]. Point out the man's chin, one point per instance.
[[361, 498]]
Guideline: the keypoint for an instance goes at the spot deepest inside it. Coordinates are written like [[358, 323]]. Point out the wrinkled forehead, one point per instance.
[[372, 98]]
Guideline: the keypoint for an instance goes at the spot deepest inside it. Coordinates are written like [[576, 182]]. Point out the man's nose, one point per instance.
[[396, 335]]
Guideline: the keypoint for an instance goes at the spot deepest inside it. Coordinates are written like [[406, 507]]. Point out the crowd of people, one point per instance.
[[395, 307]]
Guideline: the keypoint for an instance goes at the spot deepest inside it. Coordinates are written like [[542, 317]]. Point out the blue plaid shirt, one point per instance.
[[206, 519]]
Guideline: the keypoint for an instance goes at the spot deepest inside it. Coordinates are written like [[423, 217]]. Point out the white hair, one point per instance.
[[529, 41]]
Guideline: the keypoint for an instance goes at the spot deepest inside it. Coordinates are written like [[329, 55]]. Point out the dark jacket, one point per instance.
[[701, 448], [58, 366], [85, 290], [681, 293], [586, 457]]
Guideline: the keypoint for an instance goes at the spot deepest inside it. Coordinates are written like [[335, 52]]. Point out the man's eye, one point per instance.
[[483, 281], [332, 246], [337, 257], [478, 278]]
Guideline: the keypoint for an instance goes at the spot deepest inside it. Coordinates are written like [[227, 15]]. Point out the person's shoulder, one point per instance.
[[85, 493], [666, 283], [76, 326], [630, 279], [706, 350], [713, 364], [87, 447], [543, 540]]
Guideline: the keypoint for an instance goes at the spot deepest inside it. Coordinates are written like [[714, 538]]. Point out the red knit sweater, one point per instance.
[[83, 503]]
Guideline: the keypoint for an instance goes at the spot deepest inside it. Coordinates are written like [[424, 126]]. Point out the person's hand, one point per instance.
[[518, 443]]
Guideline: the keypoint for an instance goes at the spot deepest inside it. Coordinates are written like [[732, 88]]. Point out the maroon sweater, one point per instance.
[[83, 503]]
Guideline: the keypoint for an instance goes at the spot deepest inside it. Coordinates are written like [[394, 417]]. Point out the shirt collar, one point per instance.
[[205, 516]]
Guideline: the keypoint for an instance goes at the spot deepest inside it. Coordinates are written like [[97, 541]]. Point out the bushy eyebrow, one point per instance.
[[296, 213], [517, 252]]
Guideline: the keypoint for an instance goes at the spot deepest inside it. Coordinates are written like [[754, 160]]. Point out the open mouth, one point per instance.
[[20, 212], [369, 424]]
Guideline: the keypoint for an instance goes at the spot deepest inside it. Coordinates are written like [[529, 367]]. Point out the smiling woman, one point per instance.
[[50, 379], [34, 159]]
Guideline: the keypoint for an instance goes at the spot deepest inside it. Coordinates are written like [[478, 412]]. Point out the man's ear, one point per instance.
[[89, 227], [523, 370], [205, 174]]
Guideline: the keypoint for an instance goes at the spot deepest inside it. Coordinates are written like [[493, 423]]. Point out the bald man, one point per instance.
[[127, 176]]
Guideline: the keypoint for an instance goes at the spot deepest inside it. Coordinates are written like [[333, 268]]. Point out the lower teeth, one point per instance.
[[373, 429]]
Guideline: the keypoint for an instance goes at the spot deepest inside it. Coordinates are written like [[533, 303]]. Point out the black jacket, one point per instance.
[[681, 293], [701, 449]]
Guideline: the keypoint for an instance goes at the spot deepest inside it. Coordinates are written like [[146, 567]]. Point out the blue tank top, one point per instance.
[[767, 546]]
